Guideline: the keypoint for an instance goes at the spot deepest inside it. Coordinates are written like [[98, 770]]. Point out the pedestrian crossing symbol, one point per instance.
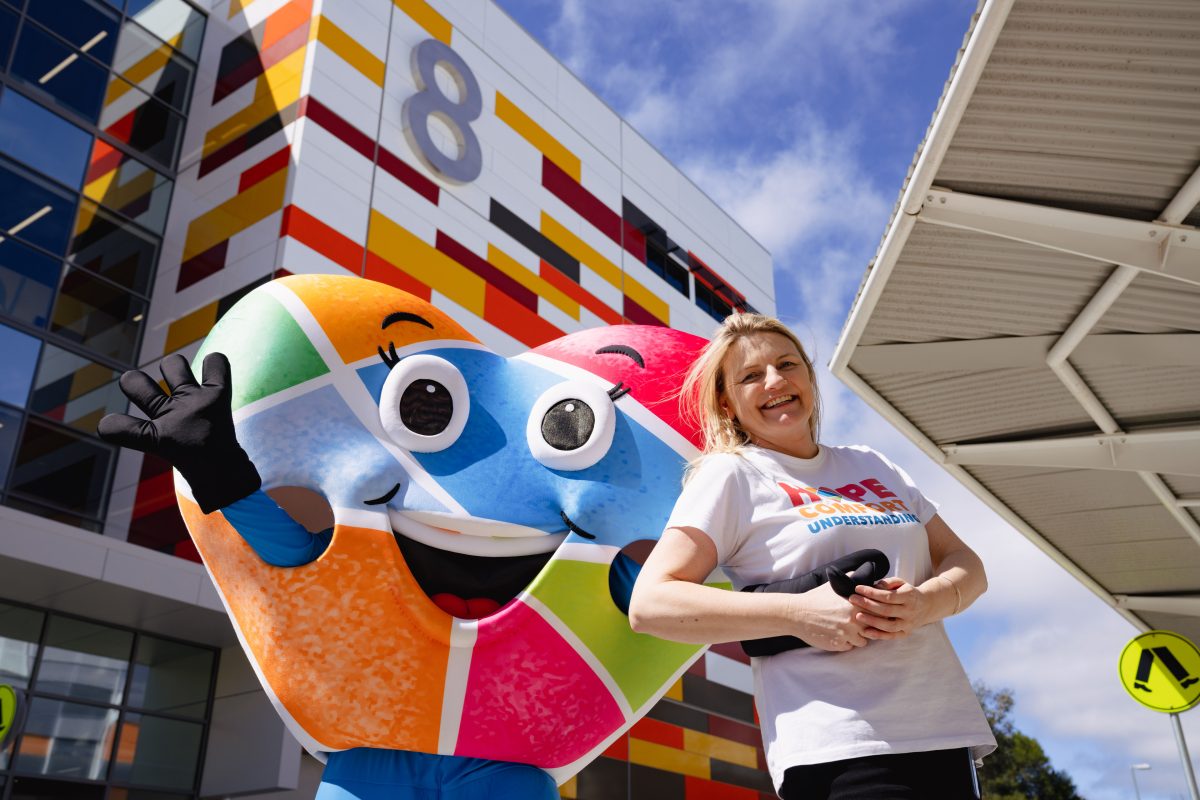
[[1161, 670]]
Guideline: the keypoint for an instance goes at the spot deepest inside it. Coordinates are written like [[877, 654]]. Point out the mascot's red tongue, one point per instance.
[[455, 606]]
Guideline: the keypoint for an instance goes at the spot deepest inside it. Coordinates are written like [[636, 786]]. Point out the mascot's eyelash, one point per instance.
[[618, 391], [389, 356]]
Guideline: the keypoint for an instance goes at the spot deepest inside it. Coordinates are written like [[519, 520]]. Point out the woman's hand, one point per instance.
[[830, 622], [891, 609]]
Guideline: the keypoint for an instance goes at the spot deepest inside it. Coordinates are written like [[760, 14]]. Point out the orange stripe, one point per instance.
[[515, 319], [580, 295], [653, 730], [380, 269], [284, 21]]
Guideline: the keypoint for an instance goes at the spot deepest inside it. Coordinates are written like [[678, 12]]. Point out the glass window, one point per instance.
[[152, 65], [158, 752], [41, 139], [171, 677], [56, 514], [32, 210], [74, 390], [20, 630], [116, 793], [83, 24], [126, 185], [66, 740], [10, 426], [45, 63], [28, 279], [99, 315], [61, 468], [18, 358], [8, 29], [173, 21], [112, 248], [143, 123], [84, 660]]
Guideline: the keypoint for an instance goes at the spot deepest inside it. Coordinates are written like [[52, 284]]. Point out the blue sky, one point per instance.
[[801, 118]]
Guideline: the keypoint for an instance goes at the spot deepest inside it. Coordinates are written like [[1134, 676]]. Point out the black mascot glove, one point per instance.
[[192, 428], [865, 567]]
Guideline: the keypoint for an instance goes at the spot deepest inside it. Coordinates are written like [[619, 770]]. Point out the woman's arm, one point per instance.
[[670, 601], [894, 608]]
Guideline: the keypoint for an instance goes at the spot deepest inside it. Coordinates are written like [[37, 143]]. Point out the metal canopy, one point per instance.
[[1032, 317]]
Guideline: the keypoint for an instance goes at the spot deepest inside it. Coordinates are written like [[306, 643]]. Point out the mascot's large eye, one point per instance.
[[424, 404], [571, 426]]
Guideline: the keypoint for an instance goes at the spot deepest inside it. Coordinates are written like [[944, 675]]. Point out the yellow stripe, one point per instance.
[[536, 135], [558, 233], [277, 88], [676, 691], [426, 263], [708, 745], [147, 66], [424, 15], [350, 51], [106, 190], [570, 789], [652, 754], [190, 328], [235, 214], [531, 280]]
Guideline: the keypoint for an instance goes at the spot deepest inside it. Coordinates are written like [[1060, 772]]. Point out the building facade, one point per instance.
[[161, 158]]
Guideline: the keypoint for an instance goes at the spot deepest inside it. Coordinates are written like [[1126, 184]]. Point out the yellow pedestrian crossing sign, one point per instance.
[[1161, 670]]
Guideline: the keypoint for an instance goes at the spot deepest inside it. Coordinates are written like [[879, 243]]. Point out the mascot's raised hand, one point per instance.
[[191, 428]]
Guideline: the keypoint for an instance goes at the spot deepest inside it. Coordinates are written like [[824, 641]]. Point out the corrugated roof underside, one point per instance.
[[954, 284], [1139, 396], [1087, 104], [1110, 523], [960, 407], [1153, 304]]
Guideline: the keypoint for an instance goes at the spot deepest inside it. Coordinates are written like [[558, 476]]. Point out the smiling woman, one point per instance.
[[878, 705]]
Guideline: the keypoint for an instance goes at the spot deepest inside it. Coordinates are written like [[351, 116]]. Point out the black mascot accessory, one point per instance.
[[191, 428], [864, 567]]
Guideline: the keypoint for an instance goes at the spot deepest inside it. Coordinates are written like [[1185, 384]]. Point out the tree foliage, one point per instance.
[[1019, 769]]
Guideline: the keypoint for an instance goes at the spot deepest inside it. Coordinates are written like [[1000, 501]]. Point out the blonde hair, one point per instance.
[[700, 397]]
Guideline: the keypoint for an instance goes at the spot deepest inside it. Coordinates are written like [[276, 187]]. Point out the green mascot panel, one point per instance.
[[640, 664], [267, 349]]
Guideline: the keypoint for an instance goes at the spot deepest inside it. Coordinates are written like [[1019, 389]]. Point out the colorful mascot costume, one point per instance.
[[460, 630]]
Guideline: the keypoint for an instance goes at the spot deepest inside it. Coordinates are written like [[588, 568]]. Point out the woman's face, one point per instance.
[[769, 393]]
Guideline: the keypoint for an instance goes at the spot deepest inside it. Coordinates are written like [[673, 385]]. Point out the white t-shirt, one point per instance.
[[773, 517]]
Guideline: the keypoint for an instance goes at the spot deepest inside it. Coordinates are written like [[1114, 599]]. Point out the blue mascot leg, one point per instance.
[[367, 774]]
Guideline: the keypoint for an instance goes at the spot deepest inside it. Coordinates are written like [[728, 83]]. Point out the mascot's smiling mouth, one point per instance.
[[470, 567]]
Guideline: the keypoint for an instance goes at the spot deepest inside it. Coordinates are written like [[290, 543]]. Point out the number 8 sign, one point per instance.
[[431, 101]]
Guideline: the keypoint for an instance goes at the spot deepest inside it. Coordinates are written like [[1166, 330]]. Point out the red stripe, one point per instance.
[[731, 295], [734, 731], [700, 789], [697, 667], [265, 168], [731, 650], [312, 232], [634, 241], [321, 114], [586, 204], [154, 493], [618, 749], [515, 319], [122, 129], [379, 269], [635, 313], [654, 730], [480, 266], [393, 165], [105, 158], [199, 267], [577, 293]]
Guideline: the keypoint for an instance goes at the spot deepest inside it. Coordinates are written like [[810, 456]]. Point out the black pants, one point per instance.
[[933, 775]]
